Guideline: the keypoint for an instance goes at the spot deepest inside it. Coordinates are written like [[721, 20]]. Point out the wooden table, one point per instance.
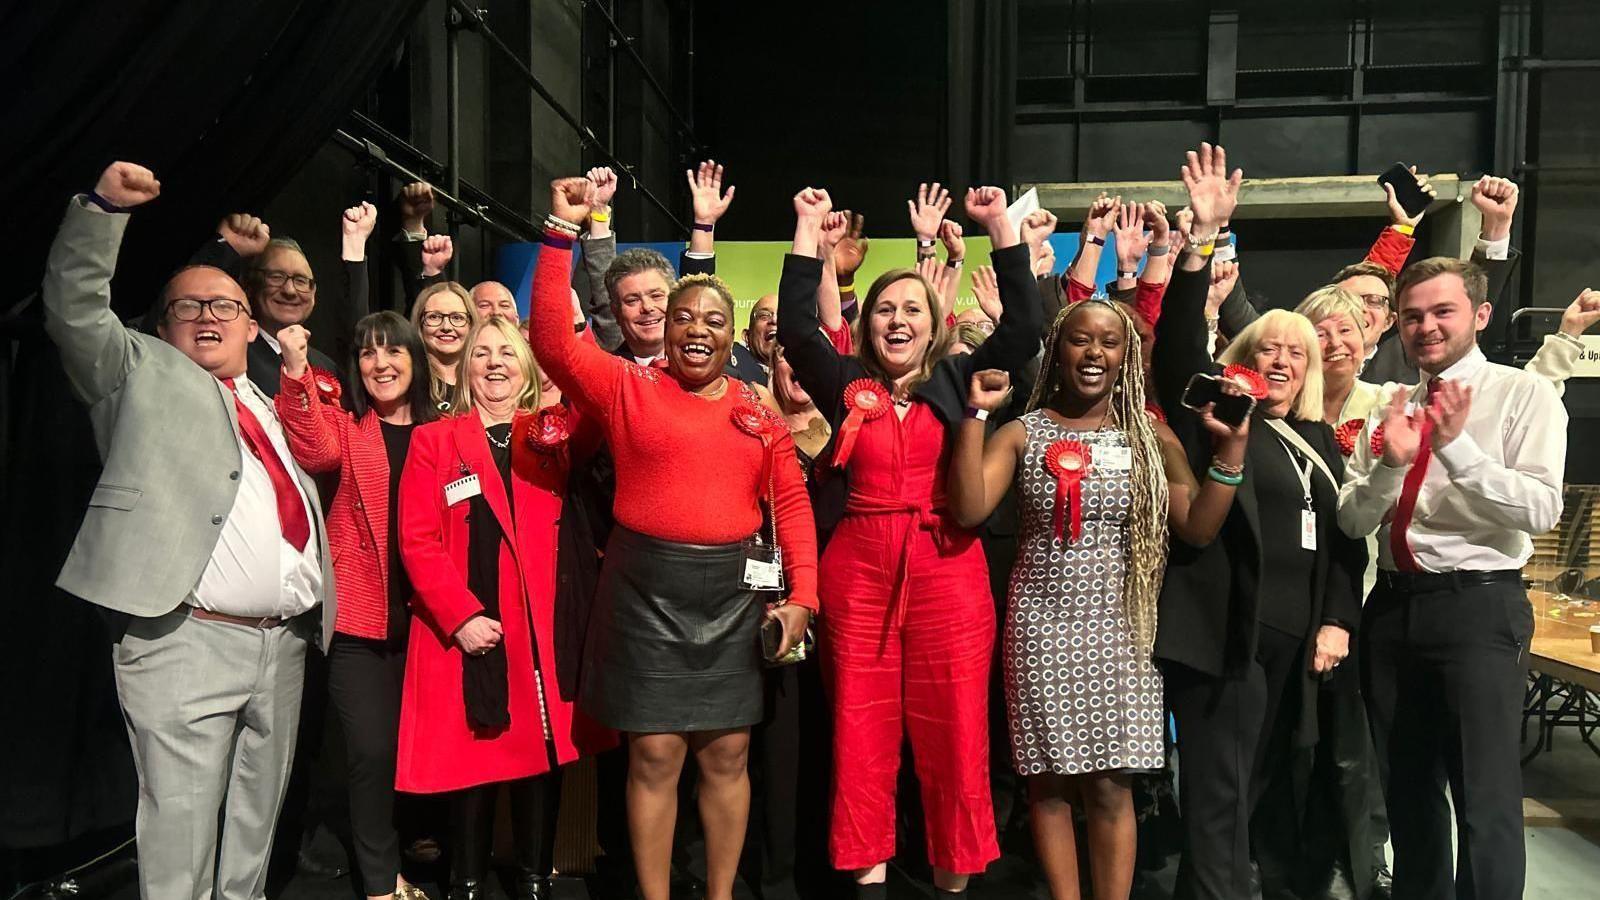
[[1565, 672]]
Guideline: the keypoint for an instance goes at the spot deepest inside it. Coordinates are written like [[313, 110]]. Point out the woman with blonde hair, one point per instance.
[[444, 315], [482, 705], [1253, 620], [1099, 482]]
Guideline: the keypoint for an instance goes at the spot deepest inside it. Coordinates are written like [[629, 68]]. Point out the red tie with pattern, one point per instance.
[[291, 511], [1399, 548]]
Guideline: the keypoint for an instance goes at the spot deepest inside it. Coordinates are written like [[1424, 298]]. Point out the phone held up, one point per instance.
[[1412, 199], [1230, 408]]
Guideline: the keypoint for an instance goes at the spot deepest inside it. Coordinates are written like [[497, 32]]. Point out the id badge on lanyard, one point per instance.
[[1308, 511], [763, 565]]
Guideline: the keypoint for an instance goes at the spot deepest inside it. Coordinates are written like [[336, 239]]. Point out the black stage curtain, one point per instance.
[[224, 101]]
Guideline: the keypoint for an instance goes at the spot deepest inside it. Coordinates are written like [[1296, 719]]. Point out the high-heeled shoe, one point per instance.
[[533, 886], [409, 892], [469, 890]]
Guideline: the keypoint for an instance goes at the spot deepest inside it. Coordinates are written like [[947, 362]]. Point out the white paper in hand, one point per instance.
[[1023, 206]]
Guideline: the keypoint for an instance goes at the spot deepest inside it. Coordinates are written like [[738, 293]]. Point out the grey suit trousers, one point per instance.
[[212, 709]]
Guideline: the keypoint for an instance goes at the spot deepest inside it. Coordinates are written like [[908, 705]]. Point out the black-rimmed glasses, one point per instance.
[[223, 309], [435, 319], [277, 277]]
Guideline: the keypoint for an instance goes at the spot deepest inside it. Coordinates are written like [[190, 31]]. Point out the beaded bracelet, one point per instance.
[[1227, 468]]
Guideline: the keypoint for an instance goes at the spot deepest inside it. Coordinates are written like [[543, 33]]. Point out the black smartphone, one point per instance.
[[1412, 198], [1230, 408]]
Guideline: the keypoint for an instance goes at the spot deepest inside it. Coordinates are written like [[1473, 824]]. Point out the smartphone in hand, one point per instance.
[[1230, 408], [1412, 198]]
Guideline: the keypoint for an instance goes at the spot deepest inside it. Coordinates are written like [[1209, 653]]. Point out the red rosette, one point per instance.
[[546, 431], [1377, 440], [1155, 413], [328, 387], [864, 400], [1068, 462], [1253, 382], [1346, 434], [752, 420]]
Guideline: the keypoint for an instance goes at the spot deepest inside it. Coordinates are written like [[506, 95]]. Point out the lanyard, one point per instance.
[[1302, 473]]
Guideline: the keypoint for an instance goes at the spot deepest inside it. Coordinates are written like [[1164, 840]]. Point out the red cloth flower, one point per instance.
[[539, 438], [1068, 462], [1254, 383], [864, 400], [328, 387], [1346, 434], [1377, 440]]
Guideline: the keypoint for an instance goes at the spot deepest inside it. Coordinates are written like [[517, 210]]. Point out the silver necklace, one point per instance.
[[498, 444]]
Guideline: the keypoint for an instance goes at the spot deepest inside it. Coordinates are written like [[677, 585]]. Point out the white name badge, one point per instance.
[[761, 575], [461, 489], [1308, 530], [1116, 459]]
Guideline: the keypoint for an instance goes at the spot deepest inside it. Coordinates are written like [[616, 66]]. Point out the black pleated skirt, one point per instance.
[[674, 638]]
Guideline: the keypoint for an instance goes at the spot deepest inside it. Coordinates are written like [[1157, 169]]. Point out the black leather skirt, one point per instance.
[[674, 638]]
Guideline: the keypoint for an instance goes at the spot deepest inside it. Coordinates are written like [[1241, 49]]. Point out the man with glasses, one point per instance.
[[204, 544]]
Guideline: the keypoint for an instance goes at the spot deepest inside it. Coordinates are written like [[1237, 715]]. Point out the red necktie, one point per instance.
[[659, 362], [291, 511], [1407, 506]]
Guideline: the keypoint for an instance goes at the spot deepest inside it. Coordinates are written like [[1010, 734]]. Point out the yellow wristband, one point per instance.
[[847, 288], [1403, 228], [600, 217]]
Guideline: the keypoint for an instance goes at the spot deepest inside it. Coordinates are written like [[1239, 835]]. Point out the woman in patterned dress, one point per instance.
[[1082, 697]]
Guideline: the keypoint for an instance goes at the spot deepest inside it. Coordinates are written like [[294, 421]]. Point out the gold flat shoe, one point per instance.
[[409, 892]]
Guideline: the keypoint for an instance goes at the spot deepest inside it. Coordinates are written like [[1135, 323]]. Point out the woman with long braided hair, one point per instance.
[[1099, 482]]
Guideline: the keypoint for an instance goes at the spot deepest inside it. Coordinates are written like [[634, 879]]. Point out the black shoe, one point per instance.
[[879, 891], [685, 886], [533, 886], [469, 890]]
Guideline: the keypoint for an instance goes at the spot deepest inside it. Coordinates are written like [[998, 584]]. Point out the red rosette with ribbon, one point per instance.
[[1346, 435], [546, 431], [1155, 413], [1253, 382], [1068, 462], [328, 387], [864, 400], [1377, 440]]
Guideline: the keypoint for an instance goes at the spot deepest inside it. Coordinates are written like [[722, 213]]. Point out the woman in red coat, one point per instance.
[[367, 659], [479, 515]]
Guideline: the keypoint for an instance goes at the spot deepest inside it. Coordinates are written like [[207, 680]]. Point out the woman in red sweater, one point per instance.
[[910, 625], [367, 660], [481, 501], [673, 655]]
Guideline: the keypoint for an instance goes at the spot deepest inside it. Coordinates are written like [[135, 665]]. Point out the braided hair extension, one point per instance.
[[1147, 516]]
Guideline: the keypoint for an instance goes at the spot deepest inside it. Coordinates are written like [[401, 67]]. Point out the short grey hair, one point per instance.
[[633, 261], [252, 266]]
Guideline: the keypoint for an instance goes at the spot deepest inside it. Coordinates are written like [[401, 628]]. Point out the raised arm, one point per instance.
[[817, 365], [581, 369], [1394, 243], [1196, 508], [355, 227], [830, 304], [1097, 224], [847, 260], [1181, 340], [1559, 353], [927, 211], [310, 426], [1016, 336], [97, 352], [599, 249], [240, 237], [1131, 243], [955, 255], [710, 205], [980, 474]]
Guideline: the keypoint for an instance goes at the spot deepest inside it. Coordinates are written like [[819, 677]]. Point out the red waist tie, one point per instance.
[[926, 516]]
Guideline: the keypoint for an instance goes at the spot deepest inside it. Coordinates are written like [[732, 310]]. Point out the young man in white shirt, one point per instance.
[[1465, 468]]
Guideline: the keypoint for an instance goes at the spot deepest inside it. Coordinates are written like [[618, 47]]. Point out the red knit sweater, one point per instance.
[[684, 471]]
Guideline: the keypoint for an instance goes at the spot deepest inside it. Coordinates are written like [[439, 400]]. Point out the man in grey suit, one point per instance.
[[204, 542]]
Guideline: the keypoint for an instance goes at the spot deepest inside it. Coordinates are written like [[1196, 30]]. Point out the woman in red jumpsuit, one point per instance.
[[909, 627]]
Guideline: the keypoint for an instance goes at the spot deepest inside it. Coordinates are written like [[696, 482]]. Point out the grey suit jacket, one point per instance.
[[165, 430]]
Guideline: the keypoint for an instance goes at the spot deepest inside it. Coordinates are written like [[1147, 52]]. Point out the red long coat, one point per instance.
[[439, 750]]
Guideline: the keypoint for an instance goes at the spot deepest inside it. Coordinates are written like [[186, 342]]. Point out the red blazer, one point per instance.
[[438, 749], [325, 438]]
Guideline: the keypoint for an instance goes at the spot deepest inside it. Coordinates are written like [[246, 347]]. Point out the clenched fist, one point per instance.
[[571, 199], [436, 252], [126, 185], [246, 234], [988, 389], [1581, 314], [1496, 199], [416, 202], [293, 342]]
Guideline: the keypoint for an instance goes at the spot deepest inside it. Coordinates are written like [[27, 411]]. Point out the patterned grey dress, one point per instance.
[[1079, 697]]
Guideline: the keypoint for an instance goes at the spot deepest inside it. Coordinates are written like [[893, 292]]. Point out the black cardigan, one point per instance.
[[1209, 610], [824, 373]]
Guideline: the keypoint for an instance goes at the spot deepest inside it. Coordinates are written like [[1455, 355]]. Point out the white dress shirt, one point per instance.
[[1486, 491], [271, 340], [253, 570]]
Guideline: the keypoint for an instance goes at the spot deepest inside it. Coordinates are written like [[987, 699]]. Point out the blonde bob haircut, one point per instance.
[[1284, 325], [867, 352], [532, 389], [1332, 300]]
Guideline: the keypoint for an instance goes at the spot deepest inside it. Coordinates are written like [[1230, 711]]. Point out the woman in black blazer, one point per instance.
[[1250, 623]]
